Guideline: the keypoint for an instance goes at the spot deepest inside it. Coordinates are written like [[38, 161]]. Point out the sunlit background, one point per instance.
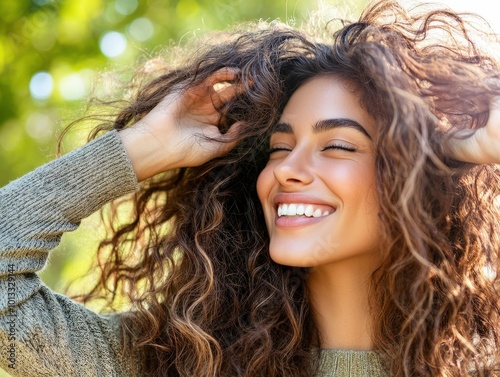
[[52, 51], [488, 9]]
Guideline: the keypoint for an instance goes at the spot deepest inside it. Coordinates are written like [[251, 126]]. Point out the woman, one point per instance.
[[302, 211]]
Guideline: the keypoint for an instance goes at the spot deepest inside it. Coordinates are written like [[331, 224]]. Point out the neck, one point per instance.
[[339, 294]]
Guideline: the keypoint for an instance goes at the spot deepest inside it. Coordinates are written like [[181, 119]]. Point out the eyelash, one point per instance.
[[341, 146], [277, 149]]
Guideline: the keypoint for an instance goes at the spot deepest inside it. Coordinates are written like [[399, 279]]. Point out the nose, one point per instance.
[[294, 169]]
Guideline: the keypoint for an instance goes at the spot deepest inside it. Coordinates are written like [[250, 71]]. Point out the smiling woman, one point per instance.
[[321, 162], [310, 205], [319, 196]]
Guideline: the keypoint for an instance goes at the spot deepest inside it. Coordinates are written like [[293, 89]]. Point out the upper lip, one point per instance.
[[298, 198]]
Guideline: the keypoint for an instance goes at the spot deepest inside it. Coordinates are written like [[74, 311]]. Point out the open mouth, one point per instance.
[[307, 210]]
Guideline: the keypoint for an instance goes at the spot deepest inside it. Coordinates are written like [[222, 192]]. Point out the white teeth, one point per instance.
[[293, 209], [309, 211]]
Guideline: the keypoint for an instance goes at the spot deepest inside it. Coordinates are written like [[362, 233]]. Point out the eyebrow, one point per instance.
[[324, 125]]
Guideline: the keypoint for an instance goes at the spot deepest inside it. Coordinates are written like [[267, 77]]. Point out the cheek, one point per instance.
[[371, 191], [264, 184], [355, 184], [346, 179], [366, 195]]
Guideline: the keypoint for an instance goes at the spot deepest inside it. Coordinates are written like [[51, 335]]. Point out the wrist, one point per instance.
[[472, 146], [146, 153]]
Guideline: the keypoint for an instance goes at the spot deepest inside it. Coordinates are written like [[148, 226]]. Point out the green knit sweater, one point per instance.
[[43, 333]]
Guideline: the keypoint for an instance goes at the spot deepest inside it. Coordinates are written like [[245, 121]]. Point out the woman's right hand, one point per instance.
[[181, 131]]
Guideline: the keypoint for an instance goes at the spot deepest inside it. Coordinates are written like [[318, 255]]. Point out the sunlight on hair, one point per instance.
[[221, 85], [489, 272], [487, 9]]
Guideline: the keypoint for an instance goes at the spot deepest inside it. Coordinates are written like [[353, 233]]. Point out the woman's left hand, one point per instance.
[[480, 146]]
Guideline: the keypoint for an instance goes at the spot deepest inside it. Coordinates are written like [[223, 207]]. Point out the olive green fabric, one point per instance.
[[346, 363]]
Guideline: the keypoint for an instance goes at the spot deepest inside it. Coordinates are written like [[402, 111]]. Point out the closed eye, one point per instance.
[[277, 149], [341, 146]]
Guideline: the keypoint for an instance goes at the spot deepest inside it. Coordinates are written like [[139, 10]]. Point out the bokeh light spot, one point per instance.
[[41, 2], [113, 44], [40, 127], [126, 7], [141, 29], [41, 85], [72, 87]]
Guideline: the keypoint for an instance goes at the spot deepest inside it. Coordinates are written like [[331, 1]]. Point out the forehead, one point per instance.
[[325, 97]]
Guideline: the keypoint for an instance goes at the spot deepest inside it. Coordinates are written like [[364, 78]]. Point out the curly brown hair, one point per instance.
[[193, 259]]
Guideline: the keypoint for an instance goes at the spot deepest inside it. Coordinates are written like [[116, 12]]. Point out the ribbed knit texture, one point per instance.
[[46, 334], [346, 363]]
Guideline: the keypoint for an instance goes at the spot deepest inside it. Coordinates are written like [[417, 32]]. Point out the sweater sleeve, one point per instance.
[[43, 333]]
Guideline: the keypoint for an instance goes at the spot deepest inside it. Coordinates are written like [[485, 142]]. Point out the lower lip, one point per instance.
[[297, 221]]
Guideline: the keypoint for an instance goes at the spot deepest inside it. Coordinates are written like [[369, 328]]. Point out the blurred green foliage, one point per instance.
[[69, 42]]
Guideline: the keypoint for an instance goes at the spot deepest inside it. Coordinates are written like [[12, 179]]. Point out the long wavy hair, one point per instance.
[[192, 255]]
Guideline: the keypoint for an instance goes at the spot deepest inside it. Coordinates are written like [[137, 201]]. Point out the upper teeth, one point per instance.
[[293, 209]]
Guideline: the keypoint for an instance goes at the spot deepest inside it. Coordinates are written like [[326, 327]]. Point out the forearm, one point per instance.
[[39, 207], [148, 155], [48, 333]]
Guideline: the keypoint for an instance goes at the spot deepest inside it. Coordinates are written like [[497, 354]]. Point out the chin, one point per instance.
[[294, 258]]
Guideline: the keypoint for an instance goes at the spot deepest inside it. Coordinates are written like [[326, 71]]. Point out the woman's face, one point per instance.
[[318, 190]]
